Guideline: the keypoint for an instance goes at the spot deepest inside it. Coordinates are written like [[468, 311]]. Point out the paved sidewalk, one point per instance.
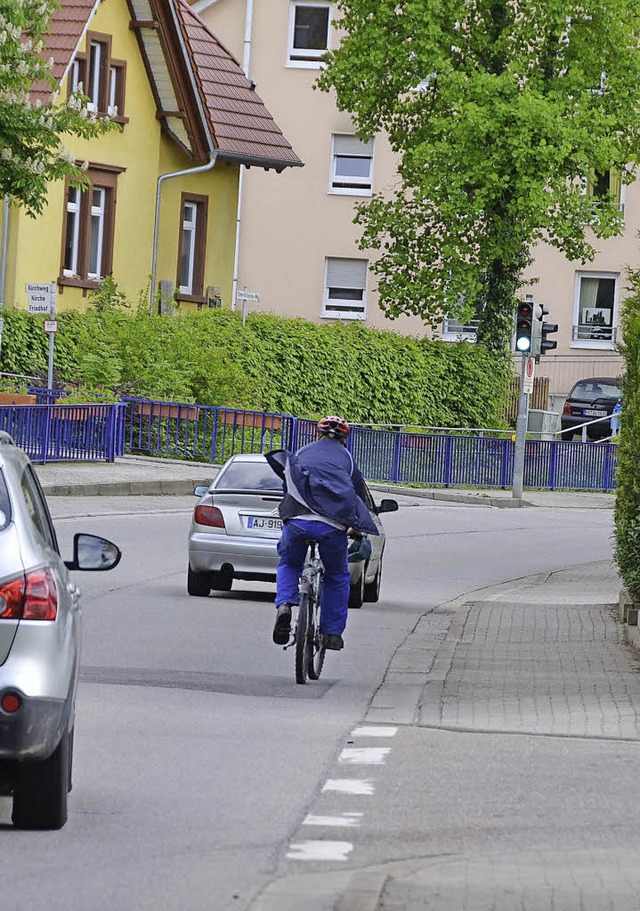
[[138, 475], [542, 657]]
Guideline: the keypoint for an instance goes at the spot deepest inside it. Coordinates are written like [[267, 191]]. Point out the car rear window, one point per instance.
[[588, 391], [248, 476], [5, 505]]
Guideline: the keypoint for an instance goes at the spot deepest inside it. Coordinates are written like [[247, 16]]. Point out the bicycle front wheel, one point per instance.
[[316, 650], [302, 639]]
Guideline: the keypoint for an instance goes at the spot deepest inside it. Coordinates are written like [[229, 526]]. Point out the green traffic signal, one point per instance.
[[524, 326]]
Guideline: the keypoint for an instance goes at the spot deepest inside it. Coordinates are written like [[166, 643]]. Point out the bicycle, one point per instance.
[[307, 638]]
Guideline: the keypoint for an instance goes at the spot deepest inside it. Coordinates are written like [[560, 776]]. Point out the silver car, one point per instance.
[[235, 530], [40, 639]]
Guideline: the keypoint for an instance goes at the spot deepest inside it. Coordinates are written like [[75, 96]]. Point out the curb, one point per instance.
[[169, 487], [472, 499]]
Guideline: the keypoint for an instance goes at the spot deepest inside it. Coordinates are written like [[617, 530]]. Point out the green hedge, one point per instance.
[[627, 510], [276, 363]]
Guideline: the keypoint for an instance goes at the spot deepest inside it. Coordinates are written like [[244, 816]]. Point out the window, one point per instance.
[[37, 508], [89, 228], [102, 78], [193, 240], [455, 331], [596, 297], [351, 165], [309, 32], [345, 289], [606, 187]]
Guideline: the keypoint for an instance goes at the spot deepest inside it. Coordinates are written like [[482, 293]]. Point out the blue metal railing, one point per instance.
[[58, 432], [65, 433]]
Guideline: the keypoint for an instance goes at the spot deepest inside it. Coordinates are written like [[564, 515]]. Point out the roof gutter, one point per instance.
[[213, 152]]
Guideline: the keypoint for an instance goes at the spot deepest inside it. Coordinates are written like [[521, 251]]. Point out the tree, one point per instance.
[[31, 149], [504, 115]]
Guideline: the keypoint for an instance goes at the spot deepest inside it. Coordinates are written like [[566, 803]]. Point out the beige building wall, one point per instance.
[[292, 222]]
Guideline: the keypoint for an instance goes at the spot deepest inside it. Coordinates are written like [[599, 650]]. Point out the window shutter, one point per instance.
[[351, 145], [346, 273]]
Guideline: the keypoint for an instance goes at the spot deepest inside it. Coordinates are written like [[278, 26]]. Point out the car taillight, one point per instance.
[[30, 597], [208, 515], [566, 408]]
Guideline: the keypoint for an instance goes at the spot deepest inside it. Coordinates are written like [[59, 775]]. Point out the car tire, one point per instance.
[[566, 434], [356, 591], [221, 582], [198, 584], [372, 589], [40, 790]]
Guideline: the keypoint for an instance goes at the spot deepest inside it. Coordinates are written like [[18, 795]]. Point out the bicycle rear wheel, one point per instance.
[[302, 639], [316, 650]]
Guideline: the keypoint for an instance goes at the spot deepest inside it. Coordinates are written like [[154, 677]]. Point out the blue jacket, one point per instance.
[[323, 478]]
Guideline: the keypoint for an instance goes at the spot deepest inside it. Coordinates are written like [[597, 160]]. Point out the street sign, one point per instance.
[[39, 298], [529, 372], [50, 325], [245, 295]]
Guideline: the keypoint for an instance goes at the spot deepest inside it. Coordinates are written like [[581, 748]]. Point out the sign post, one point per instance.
[[245, 296], [41, 299], [526, 381]]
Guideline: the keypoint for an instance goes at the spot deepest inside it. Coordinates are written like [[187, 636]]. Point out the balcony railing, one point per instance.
[[588, 332]]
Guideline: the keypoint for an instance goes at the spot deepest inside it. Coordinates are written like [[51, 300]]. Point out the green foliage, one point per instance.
[[31, 147], [499, 113], [627, 510], [273, 363]]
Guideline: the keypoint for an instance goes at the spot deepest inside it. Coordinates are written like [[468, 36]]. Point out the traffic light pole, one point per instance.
[[521, 434]]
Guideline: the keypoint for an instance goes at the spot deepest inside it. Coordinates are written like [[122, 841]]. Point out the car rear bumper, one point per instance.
[[34, 731], [208, 553], [601, 429]]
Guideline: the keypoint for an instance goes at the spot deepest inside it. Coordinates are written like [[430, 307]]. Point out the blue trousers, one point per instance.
[[332, 545]]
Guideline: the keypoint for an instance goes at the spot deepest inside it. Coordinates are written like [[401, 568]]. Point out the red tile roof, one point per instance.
[[241, 127]]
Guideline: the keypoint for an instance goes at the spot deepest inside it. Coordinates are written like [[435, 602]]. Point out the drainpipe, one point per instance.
[[197, 170], [3, 262], [246, 60]]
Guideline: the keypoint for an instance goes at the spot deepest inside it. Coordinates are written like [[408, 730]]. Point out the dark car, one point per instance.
[[589, 399]]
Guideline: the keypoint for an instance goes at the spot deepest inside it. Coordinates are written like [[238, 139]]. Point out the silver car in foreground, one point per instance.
[[236, 527], [39, 645]]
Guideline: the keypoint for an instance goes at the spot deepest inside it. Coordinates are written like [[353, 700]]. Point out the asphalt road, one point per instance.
[[197, 756]]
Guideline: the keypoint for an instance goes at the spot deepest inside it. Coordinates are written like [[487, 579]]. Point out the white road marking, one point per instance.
[[364, 755], [348, 786], [347, 820], [374, 731], [320, 850]]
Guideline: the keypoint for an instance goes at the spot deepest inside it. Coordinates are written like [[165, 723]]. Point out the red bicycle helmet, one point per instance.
[[333, 426]]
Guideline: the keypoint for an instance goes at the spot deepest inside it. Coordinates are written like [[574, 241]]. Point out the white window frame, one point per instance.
[[606, 344], [359, 186], [352, 275], [99, 212], [112, 93], [73, 208], [307, 58], [190, 228], [455, 331], [94, 64]]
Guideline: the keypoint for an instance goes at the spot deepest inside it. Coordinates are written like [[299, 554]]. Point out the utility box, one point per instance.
[[545, 424]]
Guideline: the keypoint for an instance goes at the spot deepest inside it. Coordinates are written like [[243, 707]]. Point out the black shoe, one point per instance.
[[335, 643], [282, 627]]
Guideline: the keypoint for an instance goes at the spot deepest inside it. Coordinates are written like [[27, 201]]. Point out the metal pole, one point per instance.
[[521, 435], [52, 335]]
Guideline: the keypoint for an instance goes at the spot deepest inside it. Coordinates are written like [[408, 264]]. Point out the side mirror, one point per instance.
[[388, 506], [200, 490], [93, 553]]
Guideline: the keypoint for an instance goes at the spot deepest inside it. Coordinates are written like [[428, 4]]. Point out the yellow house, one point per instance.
[[161, 207]]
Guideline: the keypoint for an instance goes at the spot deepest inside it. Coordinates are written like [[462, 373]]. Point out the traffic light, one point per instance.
[[547, 344], [524, 327]]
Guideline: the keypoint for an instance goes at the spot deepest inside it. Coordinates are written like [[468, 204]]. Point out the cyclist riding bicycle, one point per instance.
[[325, 501]]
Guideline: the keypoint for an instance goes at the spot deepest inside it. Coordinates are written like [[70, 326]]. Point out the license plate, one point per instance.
[[264, 523], [592, 413]]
